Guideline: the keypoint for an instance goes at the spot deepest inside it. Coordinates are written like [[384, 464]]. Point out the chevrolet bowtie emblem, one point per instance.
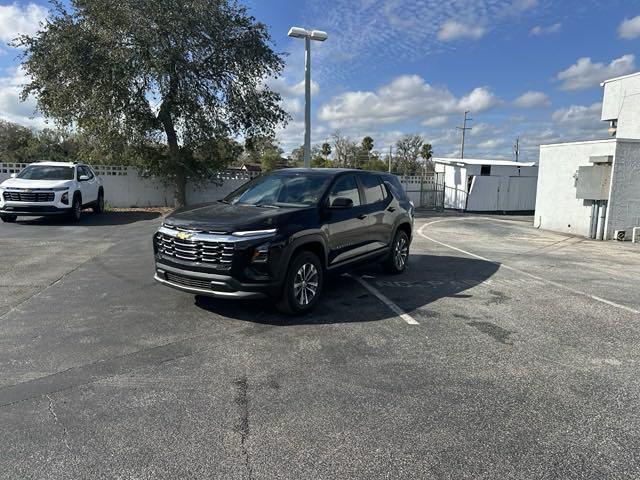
[[184, 235]]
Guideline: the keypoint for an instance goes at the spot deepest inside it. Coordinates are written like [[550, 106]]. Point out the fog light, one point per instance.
[[260, 254], [65, 198]]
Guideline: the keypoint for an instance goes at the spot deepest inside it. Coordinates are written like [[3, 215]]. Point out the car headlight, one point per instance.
[[255, 233]]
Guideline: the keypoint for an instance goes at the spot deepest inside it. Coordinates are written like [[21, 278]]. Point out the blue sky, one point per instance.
[[528, 68]]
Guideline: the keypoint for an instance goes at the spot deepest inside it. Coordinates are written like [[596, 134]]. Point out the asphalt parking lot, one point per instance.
[[503, 352]]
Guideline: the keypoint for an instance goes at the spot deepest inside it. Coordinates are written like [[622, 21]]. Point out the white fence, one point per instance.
[[124, 187]]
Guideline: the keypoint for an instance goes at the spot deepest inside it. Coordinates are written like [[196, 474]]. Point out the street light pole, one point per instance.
[[308, 35], [307, 102]]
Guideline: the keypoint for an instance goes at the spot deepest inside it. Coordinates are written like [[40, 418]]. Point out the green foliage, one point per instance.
[[326, 149], [367, 144], [426, 152], [173, 79], [270, 160], [20, 144], [256, 147], [376, 163], [321, 162], [407, 152]]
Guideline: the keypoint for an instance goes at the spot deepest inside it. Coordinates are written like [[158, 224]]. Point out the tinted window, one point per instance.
[[46, 172], [485, 170], [373, 190], [345, 187], [281, 190]]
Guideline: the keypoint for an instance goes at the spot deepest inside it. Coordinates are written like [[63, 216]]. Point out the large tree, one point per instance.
[[179, 74], [407, 151], [426, 152]]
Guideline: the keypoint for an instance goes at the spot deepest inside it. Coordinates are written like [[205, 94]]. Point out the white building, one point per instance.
[[593, 188], [488, 185]]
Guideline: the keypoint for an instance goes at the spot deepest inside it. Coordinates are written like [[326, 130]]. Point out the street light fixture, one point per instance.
[[308, 35]]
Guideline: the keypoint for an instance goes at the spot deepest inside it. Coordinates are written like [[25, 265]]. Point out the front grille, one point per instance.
[[29, 196], [187, 281], [217, 253]]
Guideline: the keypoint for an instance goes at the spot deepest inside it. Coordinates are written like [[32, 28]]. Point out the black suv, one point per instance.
[[279, 235]]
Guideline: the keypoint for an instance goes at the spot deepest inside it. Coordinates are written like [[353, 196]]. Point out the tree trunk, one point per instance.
[[180, 181]]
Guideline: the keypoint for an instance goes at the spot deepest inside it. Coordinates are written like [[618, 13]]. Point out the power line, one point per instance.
[[464, 129]]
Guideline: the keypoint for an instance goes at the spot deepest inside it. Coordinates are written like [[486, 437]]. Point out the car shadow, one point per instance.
[[90, 219], [427, 279]]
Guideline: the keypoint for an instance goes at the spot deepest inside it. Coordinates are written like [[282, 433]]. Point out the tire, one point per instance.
[[9, 218], [303, 275], [99, 206], [398, 258], [76, 208]]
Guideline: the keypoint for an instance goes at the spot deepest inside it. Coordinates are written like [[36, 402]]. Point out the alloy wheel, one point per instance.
[[305, 285], [401, 252]]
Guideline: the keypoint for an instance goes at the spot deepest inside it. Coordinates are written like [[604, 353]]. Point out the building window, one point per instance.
[[485, 170]]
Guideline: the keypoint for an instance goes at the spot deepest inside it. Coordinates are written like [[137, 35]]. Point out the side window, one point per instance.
[[485, 170], [345, 187], [373, 190], [79, 172], [83, 170]]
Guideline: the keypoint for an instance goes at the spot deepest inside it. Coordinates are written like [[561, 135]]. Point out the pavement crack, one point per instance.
[[57, 421], [242, 401]]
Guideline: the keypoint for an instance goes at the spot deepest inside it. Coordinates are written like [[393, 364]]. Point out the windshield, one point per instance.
[[281, 190], [46, 172]]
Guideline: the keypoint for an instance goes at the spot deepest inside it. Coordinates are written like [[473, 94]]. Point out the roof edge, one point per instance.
[[619, 78], [584, 142]]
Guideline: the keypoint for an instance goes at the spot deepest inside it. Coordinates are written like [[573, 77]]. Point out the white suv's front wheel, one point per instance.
[[76, 208]]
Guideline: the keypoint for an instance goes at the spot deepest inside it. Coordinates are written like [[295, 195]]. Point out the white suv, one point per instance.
[[51, 188]]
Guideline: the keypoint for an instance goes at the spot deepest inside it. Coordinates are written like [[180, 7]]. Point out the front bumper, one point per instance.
[[209, 284], [32, 210]]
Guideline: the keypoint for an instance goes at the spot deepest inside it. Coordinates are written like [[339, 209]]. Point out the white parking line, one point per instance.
[[513, 269], [380, 296]]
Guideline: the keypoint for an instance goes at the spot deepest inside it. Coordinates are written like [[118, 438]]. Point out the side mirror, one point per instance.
[[83, 178], [342, 202], [13, 175]]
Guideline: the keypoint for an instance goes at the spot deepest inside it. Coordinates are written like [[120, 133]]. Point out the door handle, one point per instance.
[[362, 217], [391, 209]]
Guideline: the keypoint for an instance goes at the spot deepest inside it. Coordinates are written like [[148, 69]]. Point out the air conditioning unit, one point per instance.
[[620, 235]]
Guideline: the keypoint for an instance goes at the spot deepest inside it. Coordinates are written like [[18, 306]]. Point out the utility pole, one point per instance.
[[389, 158], [516, 148], [464, 129]]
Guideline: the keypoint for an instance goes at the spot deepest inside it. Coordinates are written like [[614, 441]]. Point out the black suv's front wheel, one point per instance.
[[302, 285]]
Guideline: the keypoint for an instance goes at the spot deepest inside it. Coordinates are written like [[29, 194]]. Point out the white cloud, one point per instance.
[[478, 100], [406, 97], [578, 118], [12, 108], [454, 30], [630, 28], [585, 74], [539, 30], [16, 19], [438, 121], [532, 99], [292, 94]]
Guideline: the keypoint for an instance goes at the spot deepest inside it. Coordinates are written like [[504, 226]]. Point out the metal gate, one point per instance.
[[426, 191]]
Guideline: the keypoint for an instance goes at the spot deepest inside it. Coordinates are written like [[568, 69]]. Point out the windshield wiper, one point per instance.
[[224, 201]]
